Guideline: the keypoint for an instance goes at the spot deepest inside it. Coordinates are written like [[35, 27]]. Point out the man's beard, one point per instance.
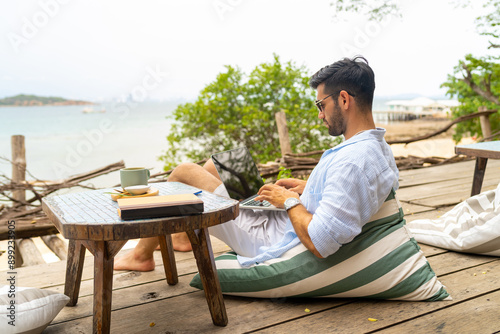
[[337, 125]]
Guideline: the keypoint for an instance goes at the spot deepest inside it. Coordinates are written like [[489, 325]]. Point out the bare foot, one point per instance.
[[132, 261], [181, 242]]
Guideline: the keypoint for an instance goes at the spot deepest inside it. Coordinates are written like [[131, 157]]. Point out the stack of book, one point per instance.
[[159, 206]]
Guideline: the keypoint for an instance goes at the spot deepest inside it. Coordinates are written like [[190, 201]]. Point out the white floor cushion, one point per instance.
[[473, 226], [33, 309]]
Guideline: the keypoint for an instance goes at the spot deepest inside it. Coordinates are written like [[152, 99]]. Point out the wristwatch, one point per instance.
[[291, 202]]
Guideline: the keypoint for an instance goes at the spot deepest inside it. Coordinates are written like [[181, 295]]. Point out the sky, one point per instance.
[[100, 50]]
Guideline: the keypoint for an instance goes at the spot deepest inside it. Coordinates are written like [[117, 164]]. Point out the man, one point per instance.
[[347, 187]]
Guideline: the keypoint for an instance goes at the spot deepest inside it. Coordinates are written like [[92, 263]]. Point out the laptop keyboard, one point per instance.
[[252, 202]]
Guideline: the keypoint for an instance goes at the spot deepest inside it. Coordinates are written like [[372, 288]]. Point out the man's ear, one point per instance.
[[344, 100]]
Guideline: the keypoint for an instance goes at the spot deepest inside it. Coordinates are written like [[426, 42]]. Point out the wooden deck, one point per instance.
[[140, 299]]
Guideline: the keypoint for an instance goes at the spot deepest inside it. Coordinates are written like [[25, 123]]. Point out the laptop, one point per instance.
[[242, 179]]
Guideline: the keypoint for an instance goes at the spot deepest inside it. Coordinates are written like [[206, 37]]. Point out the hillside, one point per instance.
[[33, 100]]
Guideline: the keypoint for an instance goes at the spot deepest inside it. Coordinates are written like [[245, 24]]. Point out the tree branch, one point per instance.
[[478, 90], [494, 46]]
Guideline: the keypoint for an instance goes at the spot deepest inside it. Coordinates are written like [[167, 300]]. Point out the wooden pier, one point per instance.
[[145, 303]]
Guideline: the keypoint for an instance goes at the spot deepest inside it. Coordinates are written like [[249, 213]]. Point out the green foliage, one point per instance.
[[476, 80], [284, 173], [489, 24], [485, 73], [375, 10], [239, 110]]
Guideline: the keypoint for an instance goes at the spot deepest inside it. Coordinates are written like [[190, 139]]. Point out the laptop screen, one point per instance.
[[238, 172]]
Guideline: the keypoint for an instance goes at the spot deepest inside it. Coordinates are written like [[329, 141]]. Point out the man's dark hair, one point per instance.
[[352, 75]]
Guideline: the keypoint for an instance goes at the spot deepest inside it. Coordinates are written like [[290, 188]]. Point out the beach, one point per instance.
[[441, 145]]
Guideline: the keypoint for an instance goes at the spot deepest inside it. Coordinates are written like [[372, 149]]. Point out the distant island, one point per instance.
[[33, 100]]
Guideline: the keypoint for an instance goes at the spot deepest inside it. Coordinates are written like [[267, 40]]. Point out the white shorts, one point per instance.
[[251, 229]]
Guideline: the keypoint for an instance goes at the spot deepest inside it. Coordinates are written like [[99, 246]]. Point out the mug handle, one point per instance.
[[149, 173]]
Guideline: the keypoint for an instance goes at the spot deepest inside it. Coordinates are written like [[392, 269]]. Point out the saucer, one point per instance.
[[137, 190], [116, 195]]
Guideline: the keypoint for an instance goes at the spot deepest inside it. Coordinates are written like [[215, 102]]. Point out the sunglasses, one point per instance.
[[320, 106]]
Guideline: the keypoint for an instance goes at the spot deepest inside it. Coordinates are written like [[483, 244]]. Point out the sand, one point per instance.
[[441, 145]]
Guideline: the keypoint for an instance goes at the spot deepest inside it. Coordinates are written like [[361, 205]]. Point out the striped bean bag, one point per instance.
[[472, 226], [382, 262]]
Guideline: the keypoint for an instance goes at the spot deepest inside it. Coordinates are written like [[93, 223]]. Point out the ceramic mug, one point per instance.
[[134, 176]]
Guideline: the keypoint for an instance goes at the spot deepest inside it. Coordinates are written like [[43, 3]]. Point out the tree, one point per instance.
[[476, 80], [375, 9], [239, 110]]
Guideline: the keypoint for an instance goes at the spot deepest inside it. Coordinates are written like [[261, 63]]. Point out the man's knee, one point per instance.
[[184, 172]]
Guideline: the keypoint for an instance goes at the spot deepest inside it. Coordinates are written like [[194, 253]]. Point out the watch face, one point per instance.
[[291, 202]]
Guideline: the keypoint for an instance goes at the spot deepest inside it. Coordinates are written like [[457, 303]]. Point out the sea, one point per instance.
[[62, 141]]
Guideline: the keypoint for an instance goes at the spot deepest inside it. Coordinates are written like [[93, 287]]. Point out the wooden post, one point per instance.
[[18, 177], [283, 133], [485, 123], [18, 166]]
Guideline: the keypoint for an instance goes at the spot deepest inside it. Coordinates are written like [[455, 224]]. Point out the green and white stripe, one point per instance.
[[383, 262]]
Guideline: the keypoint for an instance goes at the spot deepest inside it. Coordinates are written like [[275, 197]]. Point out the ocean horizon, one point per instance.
[[62, 141]]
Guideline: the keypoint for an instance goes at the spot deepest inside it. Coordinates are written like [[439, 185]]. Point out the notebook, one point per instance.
[[242, 179], [159, 206]]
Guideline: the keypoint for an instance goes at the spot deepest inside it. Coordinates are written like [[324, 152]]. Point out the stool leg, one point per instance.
[[103, 286], [479, 170], [202, 249], [74, 268], [168, 256]]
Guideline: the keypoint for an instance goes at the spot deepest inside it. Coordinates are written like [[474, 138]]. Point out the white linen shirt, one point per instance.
[[348, 185]]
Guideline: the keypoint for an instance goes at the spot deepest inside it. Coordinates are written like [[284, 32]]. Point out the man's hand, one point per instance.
[[299, 216], [275, 194], [293, 185]]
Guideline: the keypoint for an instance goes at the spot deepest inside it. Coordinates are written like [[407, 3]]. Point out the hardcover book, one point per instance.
[[159, 206]]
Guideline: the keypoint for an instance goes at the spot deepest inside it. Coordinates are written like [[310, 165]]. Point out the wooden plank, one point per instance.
[[130, 296], [56, 245], [325, 315], [129, 293], [29, 252], [429, 214], [479, 313], [431, 250], [353, 317], [410, 209], [28, 228], [436, 174], [451, 262], [413, 177], [450, 193]]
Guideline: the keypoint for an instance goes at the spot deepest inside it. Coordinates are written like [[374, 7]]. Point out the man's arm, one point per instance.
[[299, 216]]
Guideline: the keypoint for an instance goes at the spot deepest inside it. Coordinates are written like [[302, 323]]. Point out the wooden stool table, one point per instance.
[[482, 152], [90, 220]]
